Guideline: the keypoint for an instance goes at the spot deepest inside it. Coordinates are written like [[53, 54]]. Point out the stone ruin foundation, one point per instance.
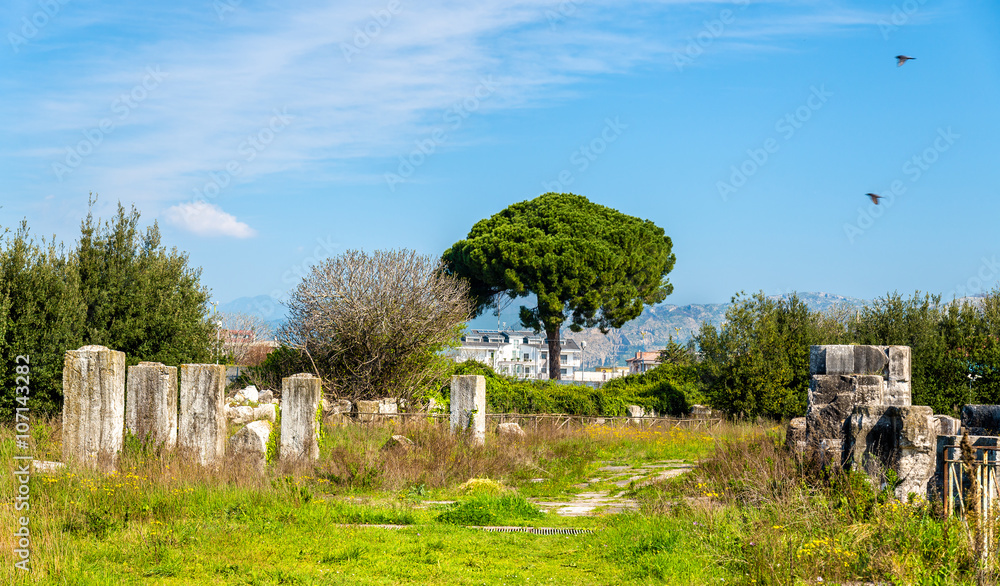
[[859, 416], [98, 409]]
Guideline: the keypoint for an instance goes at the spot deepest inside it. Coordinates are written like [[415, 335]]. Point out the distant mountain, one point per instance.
[[654, 327]]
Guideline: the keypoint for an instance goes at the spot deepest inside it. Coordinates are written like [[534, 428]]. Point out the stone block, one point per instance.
[[795, 435], [251, 394], [201, 421], [468, 405], [899, 363], [902, 439], [826, 421], [948, 426], [265, 396], [981, 419], [897, 393], [266, 412], [635, 411], [367, 411], [831, 359], [240, 415], [338, 413], [701, 411], [93, 406], [918, 446], [251, 443], [510, 430], [300, 401], [151, 403], [827, 388], [388, 407], [44, 467], [871, 388], [872, 360], [400, 442]]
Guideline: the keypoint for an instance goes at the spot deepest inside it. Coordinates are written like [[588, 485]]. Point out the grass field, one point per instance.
[[748, 513]]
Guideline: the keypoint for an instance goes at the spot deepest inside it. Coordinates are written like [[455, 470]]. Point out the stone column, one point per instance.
[[201, 426], [93, 406], [151, 403], [300, 396], [468, 405]]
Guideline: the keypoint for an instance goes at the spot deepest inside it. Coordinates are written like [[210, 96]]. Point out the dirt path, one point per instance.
[[610, 501]]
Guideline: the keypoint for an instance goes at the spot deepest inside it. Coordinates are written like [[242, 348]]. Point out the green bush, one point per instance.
[[668, 389], [489, 509]]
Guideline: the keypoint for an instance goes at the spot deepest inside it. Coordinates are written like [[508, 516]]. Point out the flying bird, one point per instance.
[[874, 197], [900, 59]]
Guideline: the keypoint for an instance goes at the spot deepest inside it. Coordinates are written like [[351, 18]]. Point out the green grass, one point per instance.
[[749, 513]]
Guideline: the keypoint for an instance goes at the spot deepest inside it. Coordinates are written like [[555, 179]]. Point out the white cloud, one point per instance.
[[205, 219]]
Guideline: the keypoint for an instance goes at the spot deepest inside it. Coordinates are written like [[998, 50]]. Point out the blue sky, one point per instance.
[[262, 137]]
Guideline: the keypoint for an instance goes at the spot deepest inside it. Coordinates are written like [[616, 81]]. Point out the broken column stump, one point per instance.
[[468, 405], [151, 404], [300, 401], [93, 406], [201, 425]]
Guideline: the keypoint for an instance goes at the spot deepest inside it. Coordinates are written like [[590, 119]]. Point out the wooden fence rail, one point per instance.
[[560, 421]]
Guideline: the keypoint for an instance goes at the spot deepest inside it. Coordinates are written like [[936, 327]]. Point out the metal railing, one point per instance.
[[973, 487]]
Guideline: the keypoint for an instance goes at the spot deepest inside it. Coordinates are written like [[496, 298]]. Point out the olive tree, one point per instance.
[[376, 325]]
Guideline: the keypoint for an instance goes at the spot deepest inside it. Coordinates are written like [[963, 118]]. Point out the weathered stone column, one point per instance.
[[300, 396], [468, 405], [201, 426], [151, 403], [93, 406]]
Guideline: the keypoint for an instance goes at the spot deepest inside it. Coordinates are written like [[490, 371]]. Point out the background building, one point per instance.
[[518, 353]]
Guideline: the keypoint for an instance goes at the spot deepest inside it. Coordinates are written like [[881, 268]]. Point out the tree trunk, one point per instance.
[[555, 349]]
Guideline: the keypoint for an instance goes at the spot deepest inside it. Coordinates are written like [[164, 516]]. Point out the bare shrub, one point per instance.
[[374, 324]]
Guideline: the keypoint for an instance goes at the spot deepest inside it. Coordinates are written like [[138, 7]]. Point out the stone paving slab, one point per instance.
[[590, 503]]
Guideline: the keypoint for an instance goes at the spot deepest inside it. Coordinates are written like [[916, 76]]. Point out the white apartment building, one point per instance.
[[518, 353]]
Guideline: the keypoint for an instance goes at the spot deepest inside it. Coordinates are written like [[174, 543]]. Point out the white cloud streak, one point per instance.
[[224, 77], [205, 219]]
